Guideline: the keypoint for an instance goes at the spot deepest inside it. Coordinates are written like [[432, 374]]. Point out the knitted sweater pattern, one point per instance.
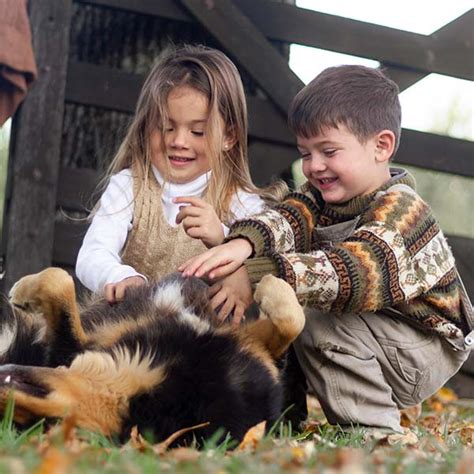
[[154, 248], [397, 257]]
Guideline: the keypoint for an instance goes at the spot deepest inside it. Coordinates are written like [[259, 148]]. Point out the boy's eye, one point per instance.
[[305, 155], [329, 151]]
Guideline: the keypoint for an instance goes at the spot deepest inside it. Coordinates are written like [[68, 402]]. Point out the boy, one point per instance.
[[387, 319]]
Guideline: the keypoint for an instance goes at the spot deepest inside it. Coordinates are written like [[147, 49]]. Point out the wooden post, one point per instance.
[[35, 147]]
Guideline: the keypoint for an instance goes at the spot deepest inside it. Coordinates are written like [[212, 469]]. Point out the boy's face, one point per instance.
[[341, 167]]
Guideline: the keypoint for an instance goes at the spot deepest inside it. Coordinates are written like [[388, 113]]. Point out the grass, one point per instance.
[[443, 442]]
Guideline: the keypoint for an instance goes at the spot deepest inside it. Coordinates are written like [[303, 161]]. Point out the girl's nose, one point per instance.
[[178, 139]]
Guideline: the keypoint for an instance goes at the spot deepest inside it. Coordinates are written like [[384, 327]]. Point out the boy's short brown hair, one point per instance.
[[361, 98]]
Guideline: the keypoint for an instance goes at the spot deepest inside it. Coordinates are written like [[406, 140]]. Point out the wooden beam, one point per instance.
[[76, 186], [269, 161], [68, 237], [388, 45], [439, 53], [244, 42], [100, 86], [459, 29], [463, 250], [436, 152], [35, 151], [170, 9]]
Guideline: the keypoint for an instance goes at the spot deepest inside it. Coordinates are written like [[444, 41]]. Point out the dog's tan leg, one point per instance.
[[52, 294], [278, 303], [94, 391]]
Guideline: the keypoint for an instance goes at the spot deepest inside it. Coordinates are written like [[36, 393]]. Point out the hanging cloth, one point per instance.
[[17, 62]]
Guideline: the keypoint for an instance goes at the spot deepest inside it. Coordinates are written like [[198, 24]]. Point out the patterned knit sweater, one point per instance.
[[396, 257]]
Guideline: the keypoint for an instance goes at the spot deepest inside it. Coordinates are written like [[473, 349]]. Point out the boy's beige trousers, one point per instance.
[[364, 367]]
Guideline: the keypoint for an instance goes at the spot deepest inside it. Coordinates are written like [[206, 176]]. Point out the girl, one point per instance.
[[179, 179]]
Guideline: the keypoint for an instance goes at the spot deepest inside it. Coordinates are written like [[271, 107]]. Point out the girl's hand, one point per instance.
[[219, 261], [232, 293], [115, 292], [200, 221]]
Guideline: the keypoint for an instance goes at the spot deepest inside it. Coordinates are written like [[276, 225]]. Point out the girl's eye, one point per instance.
[[198, 133]]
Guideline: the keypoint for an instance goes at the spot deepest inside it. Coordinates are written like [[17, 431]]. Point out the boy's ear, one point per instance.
[[384, 145]]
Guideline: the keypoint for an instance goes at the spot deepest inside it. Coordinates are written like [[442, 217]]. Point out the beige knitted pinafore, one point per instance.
[[154, 248]]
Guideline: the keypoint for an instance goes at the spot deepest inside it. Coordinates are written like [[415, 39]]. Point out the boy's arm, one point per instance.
[[397, 254], [285, 228]]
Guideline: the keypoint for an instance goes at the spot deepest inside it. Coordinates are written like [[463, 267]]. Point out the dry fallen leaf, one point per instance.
[[409, 416], [183, 454], [137, 441], [445, 395], [466, 463], [252, 437], [55, 462], [404, 439], [160, 448], [350, 461]]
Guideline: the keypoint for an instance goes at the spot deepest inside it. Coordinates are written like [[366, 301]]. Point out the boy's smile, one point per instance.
[[185, 137], [341, 167]]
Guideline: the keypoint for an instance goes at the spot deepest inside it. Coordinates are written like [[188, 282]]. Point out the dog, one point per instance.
[[158, 360]]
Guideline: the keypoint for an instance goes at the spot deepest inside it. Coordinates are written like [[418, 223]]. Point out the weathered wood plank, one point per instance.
[[269, 161], [245, 43], [436, 152], [433, 53], [101, 86], [427, 150], [170, 9], [68, 238], [459, 29], [389, 45], [36, 138], [463, 250], [76, 187]]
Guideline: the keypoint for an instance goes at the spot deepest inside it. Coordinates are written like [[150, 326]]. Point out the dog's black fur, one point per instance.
[[211, 374]]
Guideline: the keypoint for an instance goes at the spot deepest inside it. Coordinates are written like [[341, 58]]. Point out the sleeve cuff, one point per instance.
[[252, 235], [257, 268]]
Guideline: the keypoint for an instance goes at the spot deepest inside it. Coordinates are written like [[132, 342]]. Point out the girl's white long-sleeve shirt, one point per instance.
[[99, 261]]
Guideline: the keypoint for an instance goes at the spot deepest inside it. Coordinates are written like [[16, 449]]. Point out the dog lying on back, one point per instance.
[[158, 360]]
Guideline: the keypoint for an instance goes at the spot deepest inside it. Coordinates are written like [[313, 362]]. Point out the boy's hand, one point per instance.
[[200, 221], [219, 261], [115, 292], [232, 293]]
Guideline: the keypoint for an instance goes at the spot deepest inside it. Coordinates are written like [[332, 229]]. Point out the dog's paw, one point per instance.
[[272, 292], [277, 299], [33, 292]]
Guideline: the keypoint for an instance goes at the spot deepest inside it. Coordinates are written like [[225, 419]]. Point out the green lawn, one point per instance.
[[440, 442]]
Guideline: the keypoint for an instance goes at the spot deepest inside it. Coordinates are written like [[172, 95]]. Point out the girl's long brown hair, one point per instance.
[[213, 74]]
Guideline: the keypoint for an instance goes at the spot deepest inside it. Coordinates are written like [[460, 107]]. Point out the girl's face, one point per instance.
[[185, 137]]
